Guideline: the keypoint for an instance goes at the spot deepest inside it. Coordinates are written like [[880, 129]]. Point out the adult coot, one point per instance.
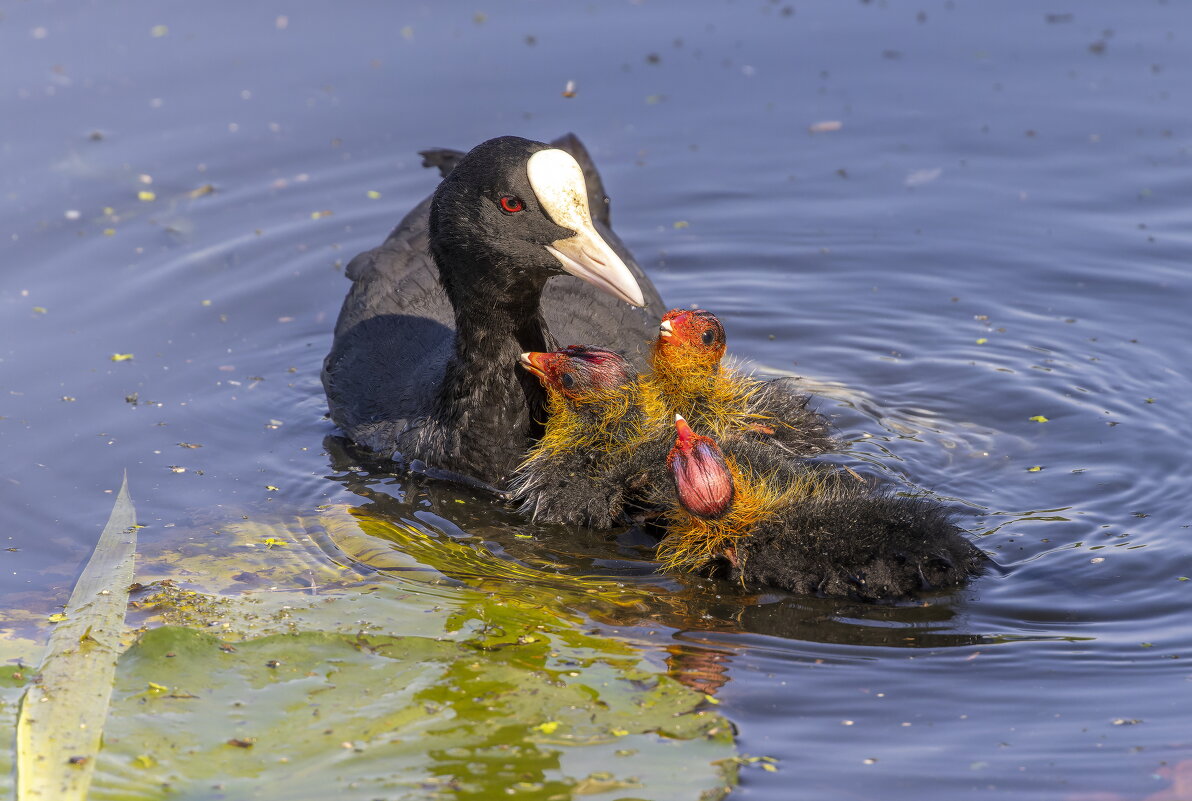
[[422, 365]]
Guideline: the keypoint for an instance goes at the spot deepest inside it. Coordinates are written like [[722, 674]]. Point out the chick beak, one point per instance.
[[534, 362], [685, 436]]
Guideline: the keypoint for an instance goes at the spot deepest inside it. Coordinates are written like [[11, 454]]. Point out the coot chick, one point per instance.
[[806, 529], [595, 457], [689, 378], [602, 455], [419, 369]]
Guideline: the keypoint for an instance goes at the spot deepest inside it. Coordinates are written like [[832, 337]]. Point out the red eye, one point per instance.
[[511, 204]]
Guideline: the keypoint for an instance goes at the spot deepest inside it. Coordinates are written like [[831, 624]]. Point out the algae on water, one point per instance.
[[403, 667]]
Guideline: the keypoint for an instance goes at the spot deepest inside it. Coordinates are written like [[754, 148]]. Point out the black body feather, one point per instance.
[[860, 543]]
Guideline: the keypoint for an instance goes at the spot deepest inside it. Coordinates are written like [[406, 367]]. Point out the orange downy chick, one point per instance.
[[690, 378], [580, 471], [720, 501], [807, 529]]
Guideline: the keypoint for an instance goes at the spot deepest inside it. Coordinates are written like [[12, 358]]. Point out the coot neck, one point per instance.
[[492, 408], [489, 329]]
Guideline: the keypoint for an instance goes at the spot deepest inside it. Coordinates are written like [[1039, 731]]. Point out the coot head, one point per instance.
[[511, 214], [703, 482], [694, 334], [579, 371]]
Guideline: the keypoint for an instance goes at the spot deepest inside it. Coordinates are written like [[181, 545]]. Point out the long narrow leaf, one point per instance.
[[62, 715]]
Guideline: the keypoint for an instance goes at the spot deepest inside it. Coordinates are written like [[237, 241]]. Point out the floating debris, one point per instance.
[[826, 126], [920, 177]]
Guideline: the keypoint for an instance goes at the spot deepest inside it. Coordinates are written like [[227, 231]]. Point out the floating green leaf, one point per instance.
[[62, 716]]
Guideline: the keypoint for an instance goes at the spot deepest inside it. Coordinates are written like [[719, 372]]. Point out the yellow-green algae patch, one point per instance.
[[405, 666]]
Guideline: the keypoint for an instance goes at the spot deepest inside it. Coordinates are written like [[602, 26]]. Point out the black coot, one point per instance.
[[423, 366]]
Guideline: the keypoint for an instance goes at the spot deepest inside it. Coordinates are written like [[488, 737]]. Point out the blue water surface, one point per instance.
[[952, 217]]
